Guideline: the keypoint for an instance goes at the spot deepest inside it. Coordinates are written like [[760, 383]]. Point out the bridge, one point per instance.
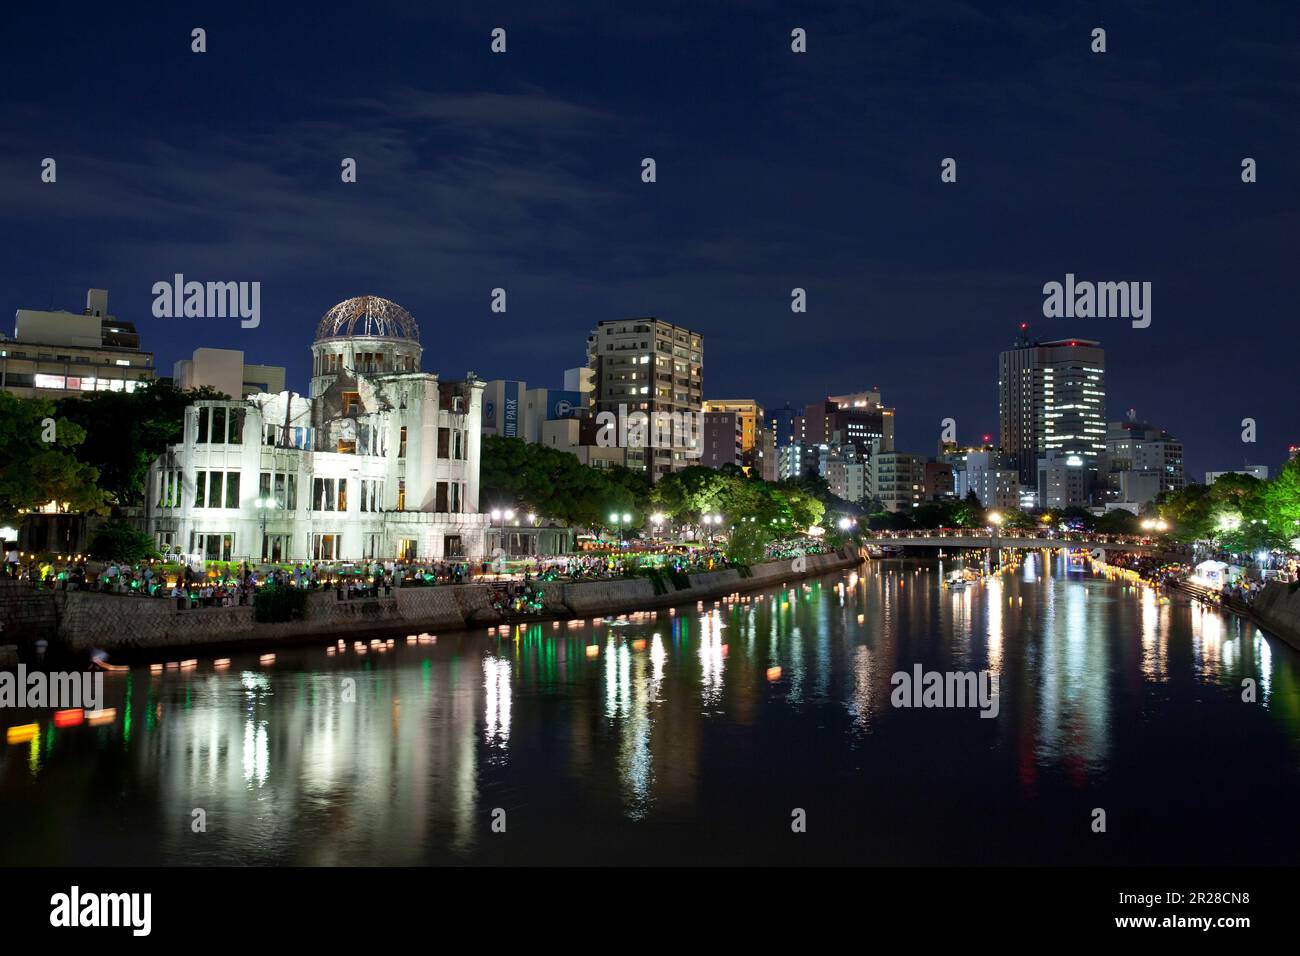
[[958, 538]]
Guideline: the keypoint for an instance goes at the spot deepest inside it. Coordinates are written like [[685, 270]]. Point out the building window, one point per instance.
[[275, 547], [214, 488], [452, 547], [372, 494], [401, 443], [329, 494], [325, 547], [401, 495], [202, 436], [212, 547], [351, 402], [406, 549], [232, 489], [444, 442]]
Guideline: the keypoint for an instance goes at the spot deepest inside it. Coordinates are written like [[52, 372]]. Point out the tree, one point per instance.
[[38, 463], [1280, 502], [126, 431], [119, 541], [1119, 521], [553, 483]]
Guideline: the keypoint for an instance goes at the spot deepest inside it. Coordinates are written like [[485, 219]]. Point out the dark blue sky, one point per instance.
[[775, 170]]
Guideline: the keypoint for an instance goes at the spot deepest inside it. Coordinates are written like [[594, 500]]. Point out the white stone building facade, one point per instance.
[[380, 461]]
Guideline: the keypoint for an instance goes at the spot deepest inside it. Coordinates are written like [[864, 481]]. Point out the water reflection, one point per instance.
[[662, 720]]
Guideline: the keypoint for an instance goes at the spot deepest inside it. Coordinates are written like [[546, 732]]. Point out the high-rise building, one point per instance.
[[846, 473], [781, 421], [646, 365], [723, 439], [897, 479], [1142, 462], [750, 416], [1052, 397], [54, 354]]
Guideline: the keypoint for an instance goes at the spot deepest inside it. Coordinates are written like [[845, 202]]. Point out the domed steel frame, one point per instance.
[[367, 315]]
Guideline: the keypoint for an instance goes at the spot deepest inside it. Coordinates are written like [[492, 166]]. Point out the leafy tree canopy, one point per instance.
[[35, 470]]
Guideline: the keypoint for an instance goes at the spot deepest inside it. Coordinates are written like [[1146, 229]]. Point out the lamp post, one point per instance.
[[264, 506], [497, 514], [657, 519], [618, 521], [995, 522]]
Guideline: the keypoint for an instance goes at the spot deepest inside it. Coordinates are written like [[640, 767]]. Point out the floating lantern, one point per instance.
[[221, 663], [69, 718], [774, 673], [593, 650], [107, 716], [266, 659], [22, 733]]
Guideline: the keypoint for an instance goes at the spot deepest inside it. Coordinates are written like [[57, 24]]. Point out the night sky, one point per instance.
[[775, 170]]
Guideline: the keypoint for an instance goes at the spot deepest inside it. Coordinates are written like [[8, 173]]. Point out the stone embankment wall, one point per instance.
[[82, 620], [26, 614], [1277, 609]]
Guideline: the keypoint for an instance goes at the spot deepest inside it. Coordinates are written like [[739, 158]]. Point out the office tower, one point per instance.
[[1052, 398], [750, 416], [648, 366], [1143, 461]]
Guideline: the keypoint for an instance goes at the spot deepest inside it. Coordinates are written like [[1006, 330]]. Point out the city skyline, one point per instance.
[[523, 172]]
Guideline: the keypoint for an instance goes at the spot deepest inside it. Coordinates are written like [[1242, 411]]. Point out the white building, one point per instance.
[[56, 354], [226, 371], [380, 461], [990, 475]]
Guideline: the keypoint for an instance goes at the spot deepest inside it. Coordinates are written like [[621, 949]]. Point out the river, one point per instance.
[[672, 738]]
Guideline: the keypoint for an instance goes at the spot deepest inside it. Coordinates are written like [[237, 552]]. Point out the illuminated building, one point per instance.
[[381, 460]]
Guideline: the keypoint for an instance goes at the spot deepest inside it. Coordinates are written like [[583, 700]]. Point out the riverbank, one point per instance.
[[79, 621], [1276, 608]]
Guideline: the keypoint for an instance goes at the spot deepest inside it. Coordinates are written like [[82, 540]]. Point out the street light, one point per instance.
[[264, 506], [618, 521], [995, 522]]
